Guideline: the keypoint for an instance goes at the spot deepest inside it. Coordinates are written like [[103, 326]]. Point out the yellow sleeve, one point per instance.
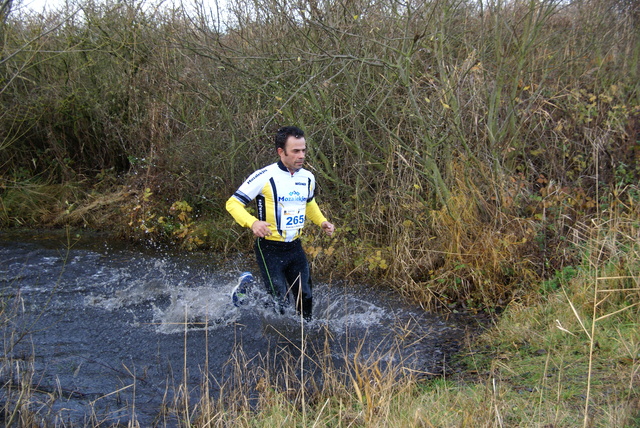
[[239, 212], [314, 214]]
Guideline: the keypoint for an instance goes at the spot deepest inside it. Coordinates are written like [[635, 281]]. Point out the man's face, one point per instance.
[[292, 156]]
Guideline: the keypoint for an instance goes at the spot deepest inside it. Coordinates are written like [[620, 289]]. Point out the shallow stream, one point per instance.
[[112, 331]]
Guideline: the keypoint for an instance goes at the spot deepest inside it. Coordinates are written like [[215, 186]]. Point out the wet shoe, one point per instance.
[[239, 292]]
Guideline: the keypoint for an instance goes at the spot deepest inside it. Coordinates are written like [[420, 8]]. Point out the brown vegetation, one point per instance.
[[463, 149]]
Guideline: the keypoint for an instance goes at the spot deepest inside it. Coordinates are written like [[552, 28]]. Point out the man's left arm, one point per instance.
[[315, 215]]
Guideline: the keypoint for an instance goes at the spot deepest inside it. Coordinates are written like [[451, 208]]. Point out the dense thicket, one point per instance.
[[460, 146]]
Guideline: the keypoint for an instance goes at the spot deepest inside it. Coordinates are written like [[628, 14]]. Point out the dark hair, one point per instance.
[[284, 133]]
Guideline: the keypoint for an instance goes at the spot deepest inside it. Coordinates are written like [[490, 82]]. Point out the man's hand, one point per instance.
[[261, 228], [328, 228]]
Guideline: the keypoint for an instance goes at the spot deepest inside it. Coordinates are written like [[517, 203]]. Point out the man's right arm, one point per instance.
[[239, 212], [246, 193], [244, 219]]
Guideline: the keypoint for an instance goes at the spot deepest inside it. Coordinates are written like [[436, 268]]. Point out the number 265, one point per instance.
[[294, 220]]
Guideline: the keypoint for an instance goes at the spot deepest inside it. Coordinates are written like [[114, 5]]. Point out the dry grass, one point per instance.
[[97, 211]]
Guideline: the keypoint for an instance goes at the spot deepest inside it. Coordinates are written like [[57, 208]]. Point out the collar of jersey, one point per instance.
[[285, 169]]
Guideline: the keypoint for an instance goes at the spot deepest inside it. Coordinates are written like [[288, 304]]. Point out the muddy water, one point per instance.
[[111, 331]]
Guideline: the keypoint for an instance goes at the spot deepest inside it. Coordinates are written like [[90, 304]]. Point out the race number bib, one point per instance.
[[292, 219]]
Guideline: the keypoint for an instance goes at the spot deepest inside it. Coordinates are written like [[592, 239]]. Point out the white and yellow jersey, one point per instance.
[[284, 200]]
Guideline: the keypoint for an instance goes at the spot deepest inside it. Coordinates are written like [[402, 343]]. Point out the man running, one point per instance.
[[284, 192]]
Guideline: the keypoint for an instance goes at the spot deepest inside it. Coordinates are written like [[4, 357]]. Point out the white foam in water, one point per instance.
[[176, 305], [203, 307], [350, 311], [173, 306], [176, 298]]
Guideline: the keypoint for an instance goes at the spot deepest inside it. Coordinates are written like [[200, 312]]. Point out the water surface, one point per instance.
[[112, 331]]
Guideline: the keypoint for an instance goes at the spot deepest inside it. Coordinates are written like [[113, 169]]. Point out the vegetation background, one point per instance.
[[475, 155]]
